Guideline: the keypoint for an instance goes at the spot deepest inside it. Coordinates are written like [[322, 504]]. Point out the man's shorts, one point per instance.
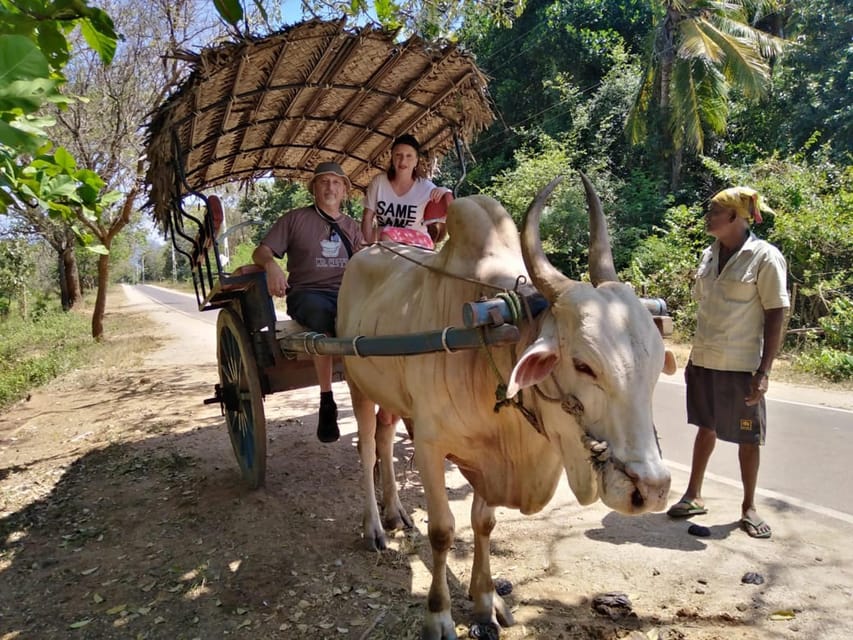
[[313, 309], [716, 400]]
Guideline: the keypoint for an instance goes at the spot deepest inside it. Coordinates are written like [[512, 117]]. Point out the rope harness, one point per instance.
[[599, 450], [387, 247], [519, 309]]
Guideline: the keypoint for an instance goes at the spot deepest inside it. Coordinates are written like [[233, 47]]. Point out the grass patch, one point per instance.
[[34, 352]]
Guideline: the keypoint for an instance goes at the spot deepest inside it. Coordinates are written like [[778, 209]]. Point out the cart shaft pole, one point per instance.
[[449, 339]]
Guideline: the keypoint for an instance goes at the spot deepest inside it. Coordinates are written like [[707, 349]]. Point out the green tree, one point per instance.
[[553, 59], [429, 19], [261, 208], [15, 270], [809, 108], [564, 225], [701, 50], [34, 49], [60, 237], [104, 130]]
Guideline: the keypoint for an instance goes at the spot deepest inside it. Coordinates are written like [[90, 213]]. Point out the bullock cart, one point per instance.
[[278, 106]]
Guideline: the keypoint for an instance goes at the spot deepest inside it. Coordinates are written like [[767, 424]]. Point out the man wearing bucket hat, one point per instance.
[[741, 294], [318, 241]]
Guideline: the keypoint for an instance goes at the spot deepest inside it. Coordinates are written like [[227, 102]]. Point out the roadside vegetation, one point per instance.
[[51, 342], [755, 94], [36, 350]]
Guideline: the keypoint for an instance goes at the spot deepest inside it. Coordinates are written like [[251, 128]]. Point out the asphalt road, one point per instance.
[[805, 463], [183, 303]]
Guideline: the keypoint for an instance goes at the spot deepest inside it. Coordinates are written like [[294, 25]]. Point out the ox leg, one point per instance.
[[489, 607], [364, 410], [393, 514], [438, 622]]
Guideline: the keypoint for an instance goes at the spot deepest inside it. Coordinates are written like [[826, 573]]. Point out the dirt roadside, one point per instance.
[[122, 515]]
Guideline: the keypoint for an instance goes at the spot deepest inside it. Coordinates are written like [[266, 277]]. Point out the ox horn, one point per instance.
[[546, 277], [601, 267]]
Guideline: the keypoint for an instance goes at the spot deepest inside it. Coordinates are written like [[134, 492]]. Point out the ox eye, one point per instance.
[[584, 368]]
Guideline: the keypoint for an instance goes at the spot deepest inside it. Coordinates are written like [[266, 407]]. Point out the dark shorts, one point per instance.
[[715, 400], [314, 309]]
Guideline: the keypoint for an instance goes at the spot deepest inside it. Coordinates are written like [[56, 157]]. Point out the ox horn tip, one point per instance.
[[587, 184], [548, 189]]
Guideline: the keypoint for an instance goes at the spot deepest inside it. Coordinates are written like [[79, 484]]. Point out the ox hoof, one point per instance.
[[375, 542], [439, 626], [398, 519], [484, 631]]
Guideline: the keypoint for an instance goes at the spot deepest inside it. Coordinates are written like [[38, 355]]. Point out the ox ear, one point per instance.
[[535, 364], [669, 364]]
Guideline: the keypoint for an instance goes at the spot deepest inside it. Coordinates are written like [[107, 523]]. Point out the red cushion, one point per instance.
[[437, 211], [217, 214]]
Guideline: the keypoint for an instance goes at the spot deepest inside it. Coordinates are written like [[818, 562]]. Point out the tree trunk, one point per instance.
[[675, 175], [64, 296], [101, 297], [667, 62], [106, 236], [71, 276]]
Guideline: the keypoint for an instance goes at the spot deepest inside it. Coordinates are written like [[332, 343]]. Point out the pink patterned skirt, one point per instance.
[[407, 236]]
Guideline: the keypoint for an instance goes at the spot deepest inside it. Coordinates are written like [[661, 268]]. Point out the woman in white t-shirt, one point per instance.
[[395, 207]]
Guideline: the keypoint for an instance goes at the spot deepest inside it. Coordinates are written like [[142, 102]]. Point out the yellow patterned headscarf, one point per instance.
[[744, 201]]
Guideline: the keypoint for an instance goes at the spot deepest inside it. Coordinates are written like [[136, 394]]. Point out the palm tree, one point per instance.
[[701, 49]]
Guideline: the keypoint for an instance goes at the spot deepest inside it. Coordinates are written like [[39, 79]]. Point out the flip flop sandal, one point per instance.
[[753, 528], [685, 509]]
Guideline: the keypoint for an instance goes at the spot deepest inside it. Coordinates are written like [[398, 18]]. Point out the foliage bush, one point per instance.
[[34, 351], [241, 254], [826, 362], [833, 361], [838, 325], [16, 268], [663, 265]]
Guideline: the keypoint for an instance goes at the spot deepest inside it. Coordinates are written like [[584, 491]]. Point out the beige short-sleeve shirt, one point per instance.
[[730, 316]]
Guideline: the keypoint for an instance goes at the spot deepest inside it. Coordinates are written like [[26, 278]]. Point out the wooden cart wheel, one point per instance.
[[242, 397]]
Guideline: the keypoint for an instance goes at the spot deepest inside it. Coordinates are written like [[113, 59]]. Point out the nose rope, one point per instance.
[[600, 452]]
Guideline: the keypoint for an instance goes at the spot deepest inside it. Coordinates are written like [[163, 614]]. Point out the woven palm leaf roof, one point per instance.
[[314, 92]]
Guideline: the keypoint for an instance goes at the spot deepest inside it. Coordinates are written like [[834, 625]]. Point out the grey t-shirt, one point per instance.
[[316, 256]]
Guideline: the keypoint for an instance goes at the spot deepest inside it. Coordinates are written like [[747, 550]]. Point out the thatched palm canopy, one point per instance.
[[314, 92]]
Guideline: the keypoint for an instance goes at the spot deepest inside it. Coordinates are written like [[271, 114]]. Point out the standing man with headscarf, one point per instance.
[[742, 296], [318, 241]]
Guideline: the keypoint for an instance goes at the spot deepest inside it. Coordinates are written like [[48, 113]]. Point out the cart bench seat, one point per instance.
[[287, 328]]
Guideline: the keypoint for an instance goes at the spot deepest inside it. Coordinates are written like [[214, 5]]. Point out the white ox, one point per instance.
[[588, 364]]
